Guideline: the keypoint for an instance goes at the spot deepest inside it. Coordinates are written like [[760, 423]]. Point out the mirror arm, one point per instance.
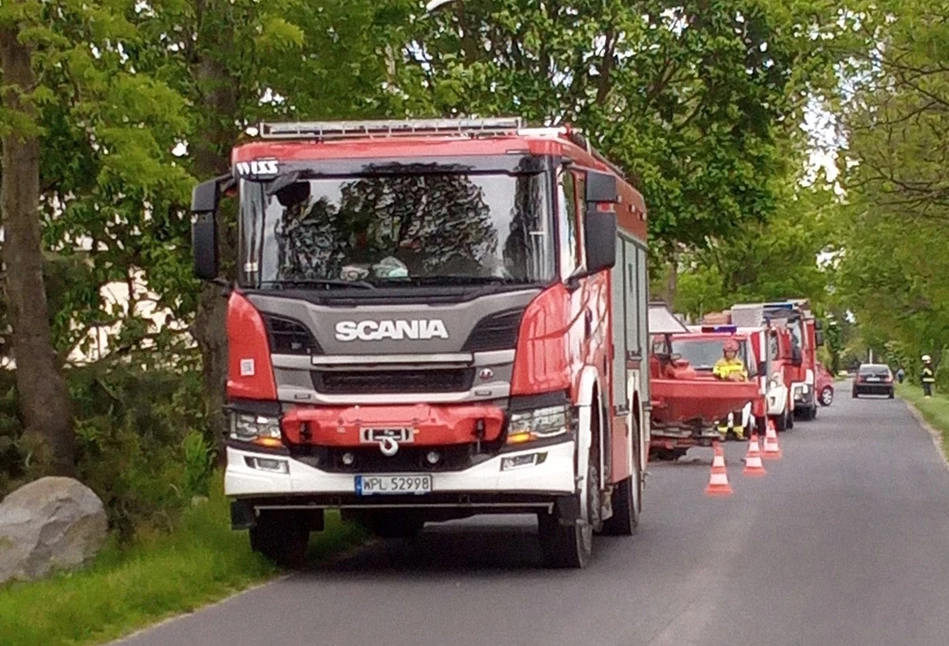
[[572, 281]]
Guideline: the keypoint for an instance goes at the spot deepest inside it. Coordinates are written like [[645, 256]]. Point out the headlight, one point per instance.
[[538, 424], [257, 429]]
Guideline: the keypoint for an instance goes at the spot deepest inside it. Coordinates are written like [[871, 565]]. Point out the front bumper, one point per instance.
[[803, 395], [555, 476], [873, 388]]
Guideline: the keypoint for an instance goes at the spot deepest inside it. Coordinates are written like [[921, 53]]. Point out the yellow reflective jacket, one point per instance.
[[724, 368]]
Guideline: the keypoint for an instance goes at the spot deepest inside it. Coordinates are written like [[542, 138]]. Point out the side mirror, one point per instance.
[[600, 188], [819, 338], [204, 203], [797, 359], [599, 233]]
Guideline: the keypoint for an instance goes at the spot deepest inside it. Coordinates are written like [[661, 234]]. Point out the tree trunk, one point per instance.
[[43, 395], [218, 95], [672, 280]]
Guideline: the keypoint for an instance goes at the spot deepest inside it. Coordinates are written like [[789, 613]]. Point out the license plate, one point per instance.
[[873, 379], [408, 484]]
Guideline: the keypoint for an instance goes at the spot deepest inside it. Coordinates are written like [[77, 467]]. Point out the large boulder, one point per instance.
[[49, 524]]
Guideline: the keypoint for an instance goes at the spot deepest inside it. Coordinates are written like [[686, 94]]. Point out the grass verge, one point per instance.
[[935, 410], [158, 577]]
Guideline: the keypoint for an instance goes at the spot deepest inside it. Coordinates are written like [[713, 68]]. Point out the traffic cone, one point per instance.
[[772, 451], [753, 465], [718, 480]]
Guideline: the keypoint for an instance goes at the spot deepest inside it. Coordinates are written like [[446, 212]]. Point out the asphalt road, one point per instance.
[[844, 541]]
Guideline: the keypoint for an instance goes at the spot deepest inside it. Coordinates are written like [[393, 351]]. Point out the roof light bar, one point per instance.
[[324, 130], [706, 329]]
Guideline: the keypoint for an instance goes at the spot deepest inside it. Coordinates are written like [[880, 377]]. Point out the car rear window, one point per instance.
[[880, 371]]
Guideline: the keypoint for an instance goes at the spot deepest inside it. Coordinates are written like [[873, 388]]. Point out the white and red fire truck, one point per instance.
[[432, 319]]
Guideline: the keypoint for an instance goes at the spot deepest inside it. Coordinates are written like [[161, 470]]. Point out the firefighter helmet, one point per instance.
[[731, 345], [926, 358]]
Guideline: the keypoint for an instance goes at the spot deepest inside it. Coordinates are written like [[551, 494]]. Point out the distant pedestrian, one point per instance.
[[900, 374], [928, 376]]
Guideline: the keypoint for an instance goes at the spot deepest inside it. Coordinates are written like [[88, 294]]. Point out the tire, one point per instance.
[[790, 423], [854, 394], [282, 537], [568, 546], [627, 497], [571, 546], [826, 396], [891, 395], [781, 423]]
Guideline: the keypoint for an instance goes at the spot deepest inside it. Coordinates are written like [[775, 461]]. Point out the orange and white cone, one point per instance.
[[772, 451], [718, 480], [753, 465]]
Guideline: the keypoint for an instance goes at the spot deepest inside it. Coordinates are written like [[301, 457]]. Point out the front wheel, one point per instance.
[[826, 396], [781, 423], [282, 537], [571, 546]]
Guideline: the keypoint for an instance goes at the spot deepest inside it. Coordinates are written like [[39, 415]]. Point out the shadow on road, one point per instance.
[[489, 546]]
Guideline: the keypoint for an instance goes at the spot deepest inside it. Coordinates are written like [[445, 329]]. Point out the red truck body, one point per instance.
[[800, 371], [432, 319]]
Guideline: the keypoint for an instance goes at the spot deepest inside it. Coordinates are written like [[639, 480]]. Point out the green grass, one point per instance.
[[159, 576], [935, 410]]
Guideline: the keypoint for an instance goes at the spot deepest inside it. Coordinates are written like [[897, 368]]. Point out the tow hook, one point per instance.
[[479, 434]]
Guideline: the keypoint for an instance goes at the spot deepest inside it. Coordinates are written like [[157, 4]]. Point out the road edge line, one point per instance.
[[934, 433], [198, 609], [329, 560]]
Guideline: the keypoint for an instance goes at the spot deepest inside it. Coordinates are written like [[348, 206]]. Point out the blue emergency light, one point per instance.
[[720, 328]]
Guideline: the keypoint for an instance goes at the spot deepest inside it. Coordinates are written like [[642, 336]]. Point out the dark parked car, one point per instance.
[[873, 379]]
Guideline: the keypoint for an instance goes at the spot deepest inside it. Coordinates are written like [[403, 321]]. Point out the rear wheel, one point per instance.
[[627, 496], [282, 537], [891, 395], [854, 394]]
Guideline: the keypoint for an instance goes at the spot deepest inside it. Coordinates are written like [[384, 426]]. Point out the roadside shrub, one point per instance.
[[141, 443]]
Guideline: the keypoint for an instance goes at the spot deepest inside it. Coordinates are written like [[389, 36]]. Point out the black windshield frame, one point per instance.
[[253, 217]]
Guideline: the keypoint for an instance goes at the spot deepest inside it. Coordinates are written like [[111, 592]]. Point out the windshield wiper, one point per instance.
[[461, 279], [317, 282]]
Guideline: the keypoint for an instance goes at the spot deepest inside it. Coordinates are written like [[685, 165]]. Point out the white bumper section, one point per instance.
[[554, 475], [777, 400]]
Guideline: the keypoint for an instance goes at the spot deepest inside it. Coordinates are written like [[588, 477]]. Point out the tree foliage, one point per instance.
[[894, 272], [135, 101]]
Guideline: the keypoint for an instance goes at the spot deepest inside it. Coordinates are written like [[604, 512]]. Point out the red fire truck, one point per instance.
[[432, 319], [795, 316]]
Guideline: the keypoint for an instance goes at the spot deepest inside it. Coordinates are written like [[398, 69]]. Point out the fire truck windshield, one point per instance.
[[397, 229], [702, 354]]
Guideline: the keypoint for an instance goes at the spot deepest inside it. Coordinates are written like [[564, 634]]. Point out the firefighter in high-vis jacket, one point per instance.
[[928, 376], [730, 368]]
